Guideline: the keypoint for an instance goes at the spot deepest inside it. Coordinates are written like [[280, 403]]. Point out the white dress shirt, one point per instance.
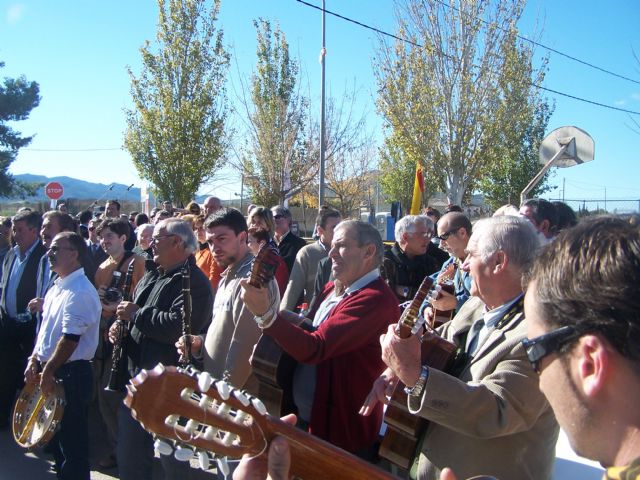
[[71, 306]]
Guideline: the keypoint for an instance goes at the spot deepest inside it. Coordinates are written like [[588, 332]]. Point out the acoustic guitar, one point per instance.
[[404, 429], [194, 415]]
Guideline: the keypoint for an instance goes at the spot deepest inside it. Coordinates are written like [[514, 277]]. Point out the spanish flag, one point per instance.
[[418, 188]]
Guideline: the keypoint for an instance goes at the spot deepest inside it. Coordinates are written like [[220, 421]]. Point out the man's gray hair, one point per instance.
[[182, 229], [365, 234], [515, 236], [144, 227], [408, 224]]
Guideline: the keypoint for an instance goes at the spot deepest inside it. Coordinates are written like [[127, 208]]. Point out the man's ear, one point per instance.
[[545, 227], [594, 362], [500, 261]]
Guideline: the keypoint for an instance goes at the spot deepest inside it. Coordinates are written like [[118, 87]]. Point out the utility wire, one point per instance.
[[382, 32], [538, 44], [69, 149]]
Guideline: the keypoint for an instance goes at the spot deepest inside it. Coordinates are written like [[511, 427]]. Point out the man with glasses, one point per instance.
[[454, 231], [288, 242], [66, 344], [487, 416], [583, 314], [407, 263], [154, 318]]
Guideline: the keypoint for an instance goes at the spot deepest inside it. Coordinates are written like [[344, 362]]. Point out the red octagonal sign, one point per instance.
[[53, 190]]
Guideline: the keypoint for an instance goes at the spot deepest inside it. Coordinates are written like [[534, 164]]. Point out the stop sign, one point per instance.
[[53, 190]]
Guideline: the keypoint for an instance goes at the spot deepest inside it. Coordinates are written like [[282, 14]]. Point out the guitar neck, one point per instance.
[[312, 457], [409, 318]]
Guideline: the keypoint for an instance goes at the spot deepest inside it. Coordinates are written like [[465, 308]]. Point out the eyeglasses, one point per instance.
[[56, 248], [278, 217], [539, 347], [445, 236], [157, 238]]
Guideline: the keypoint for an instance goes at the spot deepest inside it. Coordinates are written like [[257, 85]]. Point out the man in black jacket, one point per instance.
[[407, 263], [288, 242], [17, 325], [155, 319]]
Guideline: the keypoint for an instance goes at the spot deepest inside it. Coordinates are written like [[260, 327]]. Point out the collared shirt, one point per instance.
[[279, 240], [15, 275], [332, 299], [628, 472], [71, 306], [490, 319]]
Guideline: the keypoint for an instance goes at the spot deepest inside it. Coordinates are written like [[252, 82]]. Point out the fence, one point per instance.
[[591, 206]]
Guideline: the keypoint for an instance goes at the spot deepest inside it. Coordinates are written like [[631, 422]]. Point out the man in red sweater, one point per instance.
[[341, 357]]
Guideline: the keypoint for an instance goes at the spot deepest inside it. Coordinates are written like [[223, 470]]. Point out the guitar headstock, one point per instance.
[[208, 418], [264, 266], [192, 409]]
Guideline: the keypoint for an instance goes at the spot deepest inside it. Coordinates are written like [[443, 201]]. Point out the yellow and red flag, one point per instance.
[[418, 188]]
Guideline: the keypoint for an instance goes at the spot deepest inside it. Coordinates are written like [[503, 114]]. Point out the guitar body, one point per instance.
[[274, 369]]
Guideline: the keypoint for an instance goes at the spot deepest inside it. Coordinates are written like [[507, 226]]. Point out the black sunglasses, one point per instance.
[[446, 235], [539, 347]]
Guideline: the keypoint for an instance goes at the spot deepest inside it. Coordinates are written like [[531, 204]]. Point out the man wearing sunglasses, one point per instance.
[[288, 242], [487, 417], [583, 313], [454, 231]]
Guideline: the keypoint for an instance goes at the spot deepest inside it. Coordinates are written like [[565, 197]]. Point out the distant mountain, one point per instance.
[[79, 189]]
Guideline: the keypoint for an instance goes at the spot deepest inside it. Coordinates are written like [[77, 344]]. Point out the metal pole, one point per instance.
[[540, 174], [323, 52], [241, 192]]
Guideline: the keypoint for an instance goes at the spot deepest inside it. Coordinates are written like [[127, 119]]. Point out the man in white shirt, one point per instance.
[[66, 343]]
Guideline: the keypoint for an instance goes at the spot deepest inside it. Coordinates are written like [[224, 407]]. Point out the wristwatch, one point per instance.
[[418, 388]]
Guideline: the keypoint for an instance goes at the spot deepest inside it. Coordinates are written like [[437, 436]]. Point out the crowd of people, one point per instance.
[[538, 308]]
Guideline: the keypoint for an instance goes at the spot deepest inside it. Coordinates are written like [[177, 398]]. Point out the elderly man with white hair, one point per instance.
[[487, 415], [407, 263], [155, 321]]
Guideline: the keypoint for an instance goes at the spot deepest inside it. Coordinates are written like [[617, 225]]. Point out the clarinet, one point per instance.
[[185, 359], [116, 380]]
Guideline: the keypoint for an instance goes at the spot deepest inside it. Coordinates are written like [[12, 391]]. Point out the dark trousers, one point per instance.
[[16, 345], [135, 452], [70, 446]]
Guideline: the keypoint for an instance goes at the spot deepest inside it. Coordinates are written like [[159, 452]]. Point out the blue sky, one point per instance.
[[78, 52]]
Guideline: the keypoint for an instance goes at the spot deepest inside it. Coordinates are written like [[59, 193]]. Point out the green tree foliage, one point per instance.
[[275, 159], [441, 100], [517, 162], [17, 98], [176, 132]]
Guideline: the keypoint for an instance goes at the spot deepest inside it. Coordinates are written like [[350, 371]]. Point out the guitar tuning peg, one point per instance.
[[204, 381], [223, 389], [204, 460], [183, 454], [162, 447], [242, 398], [259, 406], [223, 466]]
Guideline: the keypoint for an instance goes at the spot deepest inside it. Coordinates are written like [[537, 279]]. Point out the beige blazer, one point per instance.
[[492, 419]]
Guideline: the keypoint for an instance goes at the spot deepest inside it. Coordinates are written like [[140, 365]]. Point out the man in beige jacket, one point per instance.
[[490, 418]]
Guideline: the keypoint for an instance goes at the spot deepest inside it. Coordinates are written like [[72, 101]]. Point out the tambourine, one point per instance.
[[36, 417]]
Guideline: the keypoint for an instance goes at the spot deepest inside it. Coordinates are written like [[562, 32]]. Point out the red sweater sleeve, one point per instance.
[[352, 324]]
